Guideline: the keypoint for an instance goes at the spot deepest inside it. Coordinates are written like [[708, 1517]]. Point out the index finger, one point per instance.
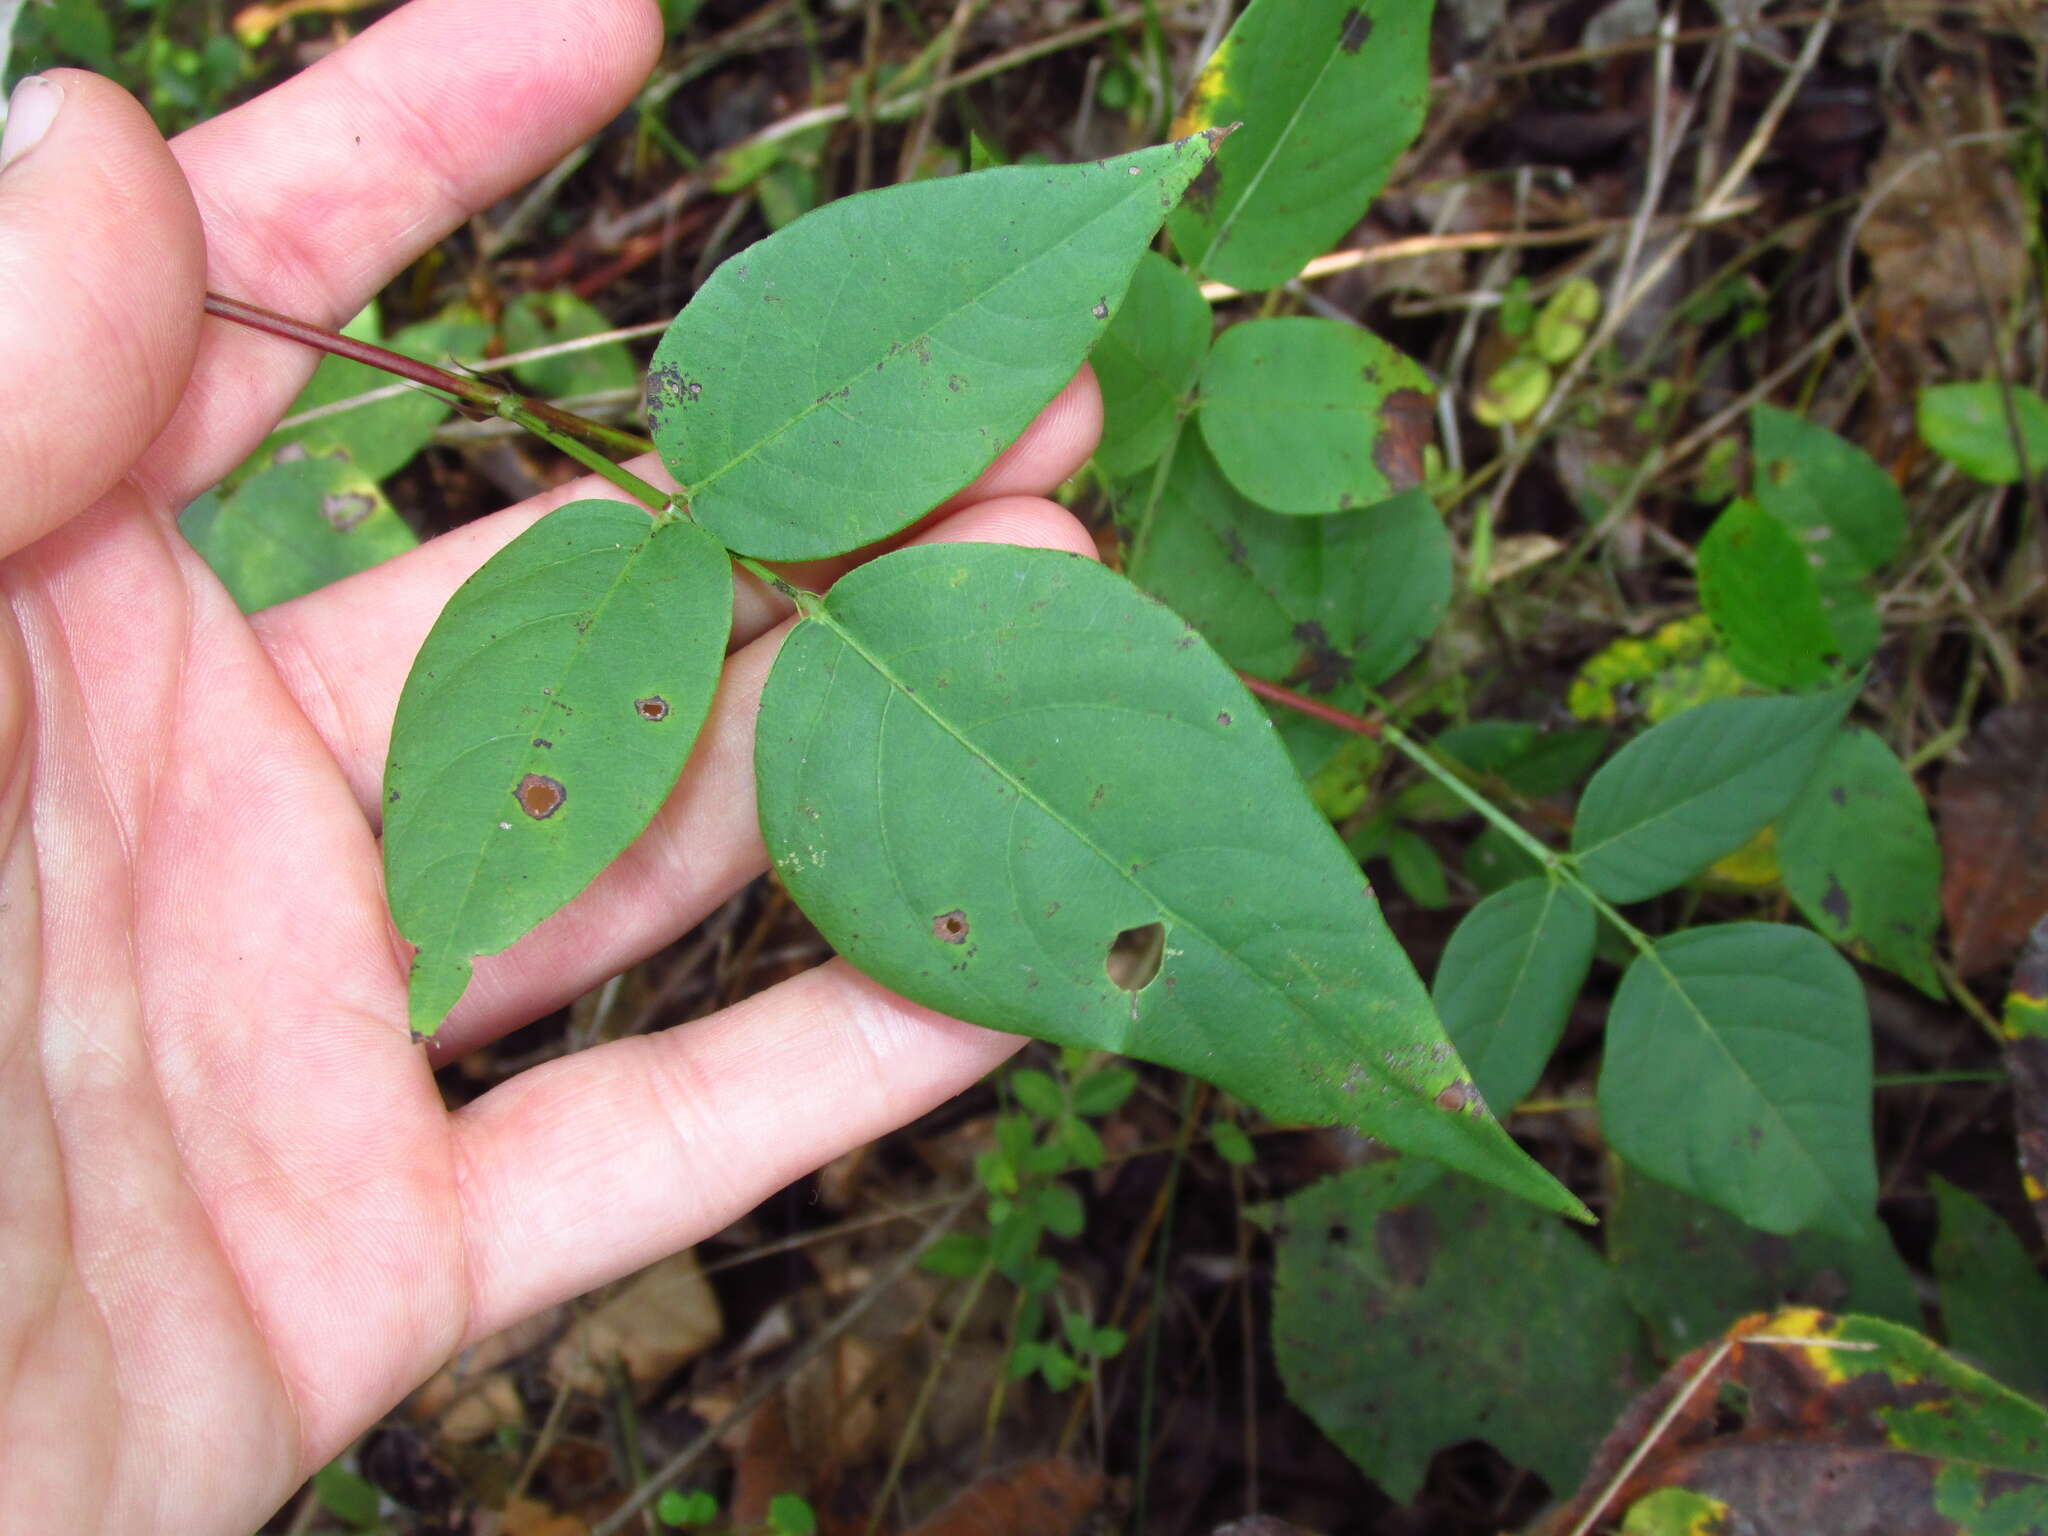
[[317, 193]]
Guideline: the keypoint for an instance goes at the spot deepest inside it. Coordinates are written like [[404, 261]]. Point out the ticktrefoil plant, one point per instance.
[[984, 771]]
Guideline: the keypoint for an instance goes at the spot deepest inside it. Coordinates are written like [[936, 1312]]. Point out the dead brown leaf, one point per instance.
[[662, 1317], [1041, 1498], [530, 1517], [1944, 239], [1994, 837]]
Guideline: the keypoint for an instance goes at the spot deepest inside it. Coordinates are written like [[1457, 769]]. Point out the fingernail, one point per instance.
[[30, 111]]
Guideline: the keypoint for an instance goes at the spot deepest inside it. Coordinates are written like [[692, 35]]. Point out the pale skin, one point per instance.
[[236, 1224]]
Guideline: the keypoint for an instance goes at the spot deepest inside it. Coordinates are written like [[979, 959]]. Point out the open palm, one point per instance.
[[238, 1223]]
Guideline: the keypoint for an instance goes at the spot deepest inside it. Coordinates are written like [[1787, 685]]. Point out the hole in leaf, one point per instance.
[[655, 708], [950, 927], [1134, 956], [540, 796]]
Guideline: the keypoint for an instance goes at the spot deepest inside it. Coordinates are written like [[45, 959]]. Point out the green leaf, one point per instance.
[[1859, 856], [1531, 761], [1389, 1328], [294, 527], [1037, 1092], [1691, 1269], [835, 381], [1146, 364], [1677, 1512], [696, 1507], [1314, 416], [1417, 869], [545, 720], [1738, 1070], [1698, 787], [548, 319], [790, 1515], [1328, 605], [1060, 1210], [1104, 1092], [956, 1254], [1843, 510], [1329, 93], [1232, 1144], [380, 437], [1994, 1302], [1760, 591], [979, 766], [1083, 1147], [1494, 861], [348, 1497], [1847, 511], [1967, 425], [1507, 981]]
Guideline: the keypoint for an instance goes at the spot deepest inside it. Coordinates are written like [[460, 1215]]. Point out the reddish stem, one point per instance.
[[473, 397], [1357, 725]]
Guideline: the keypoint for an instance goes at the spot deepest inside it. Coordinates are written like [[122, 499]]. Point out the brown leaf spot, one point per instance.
[[1202, 190], [1357, 28], [1457, 1096], [540, 796], [345, 510], [1405, 417], [955, 383], [1223, 717], [950, 927], [653, 708]]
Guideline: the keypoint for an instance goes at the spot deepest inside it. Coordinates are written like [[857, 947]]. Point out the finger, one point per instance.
[[101, 275], [597, 1164], [704, 843], [318, 192], [344, 651]]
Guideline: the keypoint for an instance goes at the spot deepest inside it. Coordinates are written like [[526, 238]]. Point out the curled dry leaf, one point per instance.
[[1845, 1424]]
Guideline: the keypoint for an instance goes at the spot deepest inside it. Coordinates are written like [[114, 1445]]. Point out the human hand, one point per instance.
[[239, 1223]]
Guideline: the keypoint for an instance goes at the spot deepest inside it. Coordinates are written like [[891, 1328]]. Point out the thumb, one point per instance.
[[102, 278]]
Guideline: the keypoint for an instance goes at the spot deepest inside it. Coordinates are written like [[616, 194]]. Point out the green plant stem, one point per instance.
[[521, 413], [473, 395], [1556, 865], [807, 602]]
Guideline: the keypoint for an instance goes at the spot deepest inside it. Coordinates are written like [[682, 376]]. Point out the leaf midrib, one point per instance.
[[460, 908], [902, 345], [1025, 791], [1656, 957]]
